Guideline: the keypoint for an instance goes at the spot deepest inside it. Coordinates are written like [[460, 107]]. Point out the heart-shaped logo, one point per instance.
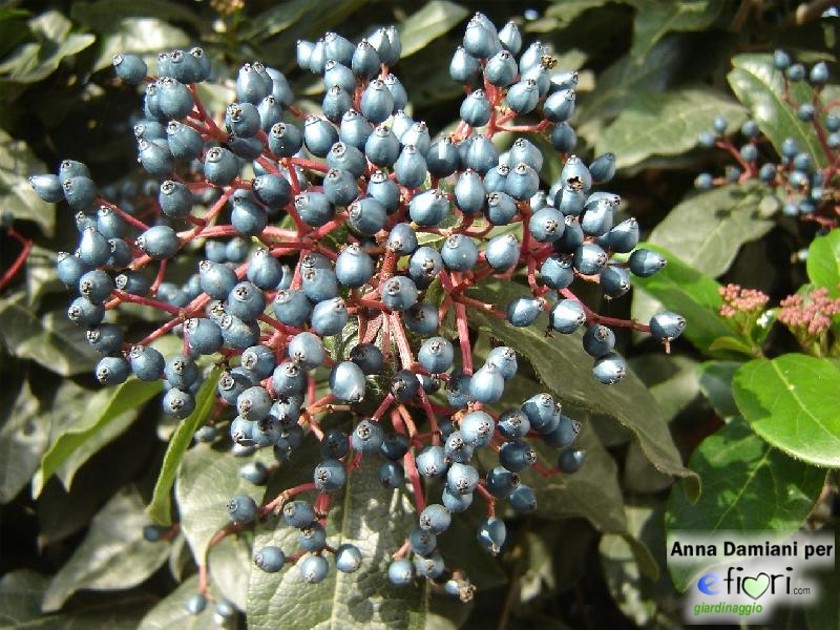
[[756, 586]]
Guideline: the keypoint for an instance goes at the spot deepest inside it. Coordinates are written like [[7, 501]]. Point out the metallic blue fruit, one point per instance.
[[523, 96], [329, 317], [347, 382], [567, 316], [284, 140], [318, 135]]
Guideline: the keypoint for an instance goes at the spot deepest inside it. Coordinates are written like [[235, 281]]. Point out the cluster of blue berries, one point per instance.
[[341, 247], [803, 186]]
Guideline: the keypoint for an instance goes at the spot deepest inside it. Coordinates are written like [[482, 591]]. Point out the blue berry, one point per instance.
[[255, 472], [348, 558], [436, 354], [313, 537], [431, 462], [298, 514], [567, 316], [400, 572], [610, 368], [112, 370], [501, 482], [667, 325], [645, 263], [347, 381], [242, 509], [313, 569], [516, 456], [391, 475], [522, 499], [492, 534], [435, 518], [329, 475], [570, 461], [196, 604], [422, 542], [367, 436]]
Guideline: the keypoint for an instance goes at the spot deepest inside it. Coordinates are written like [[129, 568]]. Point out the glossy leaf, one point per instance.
[[89, 429], [823, 263], [142, 36], [716, 385], [53, 342], [654, 20], [206, 480], [376, 521], [624, 79], [114, 555], [593, 492], [761, 89], [721, 220], [646, 599], [694, 295], [16, 195], [21, 592], [230, 567], [106, 15], [748, 484], [434, 19], [23, 438], [277, 19], [160, 508], [655, 123], [171, 611], [790, 402], [36, 60], [564, 368]]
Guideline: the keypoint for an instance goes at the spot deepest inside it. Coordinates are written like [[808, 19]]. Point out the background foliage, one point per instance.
[[79, 465]]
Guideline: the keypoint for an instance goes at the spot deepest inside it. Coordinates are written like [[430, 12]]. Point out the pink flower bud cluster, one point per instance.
[[738, 300], [812, 313]]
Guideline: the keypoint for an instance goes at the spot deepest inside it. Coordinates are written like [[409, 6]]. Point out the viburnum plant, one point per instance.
[[323, 271]]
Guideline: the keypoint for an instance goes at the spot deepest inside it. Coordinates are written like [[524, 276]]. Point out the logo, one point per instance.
[[730, 576]]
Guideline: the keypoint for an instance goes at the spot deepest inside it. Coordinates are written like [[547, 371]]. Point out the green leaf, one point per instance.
[[141, 36], [623, 80], [564, 368], [206, 480], [761, 89], [694, 295], [430, 22], [230, 566], [160, 508], [53, 342], [656, 123], [17, 162], [377, 522], [171, 612], [89, 429], [35, 61], [671, 379], [567, 11], [647, 599], [789, 401], [23, 438], [21, 592], [716, 385], [823, 262], [747, 485], [721, 220], [654, 20], [592, 492], [276, 19], [104, 16], [114, 555]]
